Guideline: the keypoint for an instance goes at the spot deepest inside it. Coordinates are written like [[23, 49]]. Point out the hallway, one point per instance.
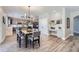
[[48, 44], [76, 25]]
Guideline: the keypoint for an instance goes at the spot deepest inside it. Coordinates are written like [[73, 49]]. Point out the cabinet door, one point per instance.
[[59, 31]]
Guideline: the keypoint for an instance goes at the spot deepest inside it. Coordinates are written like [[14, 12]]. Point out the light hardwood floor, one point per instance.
[[48, 44]]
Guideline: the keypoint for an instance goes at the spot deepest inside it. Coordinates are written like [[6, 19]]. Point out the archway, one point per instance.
[[76, 25], [73, 16]]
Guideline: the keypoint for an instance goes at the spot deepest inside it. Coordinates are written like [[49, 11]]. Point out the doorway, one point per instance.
[[76, 26]]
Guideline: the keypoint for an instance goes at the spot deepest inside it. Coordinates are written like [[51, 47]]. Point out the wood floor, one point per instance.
[[48, 44]]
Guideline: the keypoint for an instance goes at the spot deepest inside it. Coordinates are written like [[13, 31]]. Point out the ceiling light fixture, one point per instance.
[[29, 12]]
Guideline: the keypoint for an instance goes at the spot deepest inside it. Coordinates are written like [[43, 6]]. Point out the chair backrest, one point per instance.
[[20, 35], [17, 30], [36, 34]]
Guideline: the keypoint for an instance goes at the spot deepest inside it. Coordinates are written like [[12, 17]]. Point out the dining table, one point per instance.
[[27, 33]]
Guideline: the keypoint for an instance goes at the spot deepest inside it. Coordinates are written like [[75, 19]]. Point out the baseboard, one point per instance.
[[1, 41], [68, 36], [72, 34], [63, 38], [76, 32]]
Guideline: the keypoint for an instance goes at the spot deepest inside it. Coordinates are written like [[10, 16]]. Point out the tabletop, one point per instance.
[[25, 31]]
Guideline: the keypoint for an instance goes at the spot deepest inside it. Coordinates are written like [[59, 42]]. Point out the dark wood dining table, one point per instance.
[[26, 35]]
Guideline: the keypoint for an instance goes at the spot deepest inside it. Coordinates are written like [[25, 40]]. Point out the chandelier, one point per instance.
[[29, 12]]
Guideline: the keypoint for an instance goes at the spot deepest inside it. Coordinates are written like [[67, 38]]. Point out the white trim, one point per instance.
[[76, 32], [63, 38], [67, 36], [1, 41], [72, 34]]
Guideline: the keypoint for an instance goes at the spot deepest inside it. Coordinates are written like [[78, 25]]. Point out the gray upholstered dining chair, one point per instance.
[[20, 38], [35, 37]]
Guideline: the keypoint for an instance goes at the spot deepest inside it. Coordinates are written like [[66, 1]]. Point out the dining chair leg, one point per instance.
[[30, 43], [39, 42], [26, 41], [17, 38], [19, 43], [33, 44]]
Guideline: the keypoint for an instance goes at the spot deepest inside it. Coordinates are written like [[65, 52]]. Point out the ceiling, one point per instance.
[[37, 10]]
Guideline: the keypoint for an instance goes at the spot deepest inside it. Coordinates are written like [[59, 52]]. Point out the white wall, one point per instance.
[[43, 26], [2, 26], [55, 16], [63, 24], [61, 33], [59, 15], [67, 30], [15, 14]]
